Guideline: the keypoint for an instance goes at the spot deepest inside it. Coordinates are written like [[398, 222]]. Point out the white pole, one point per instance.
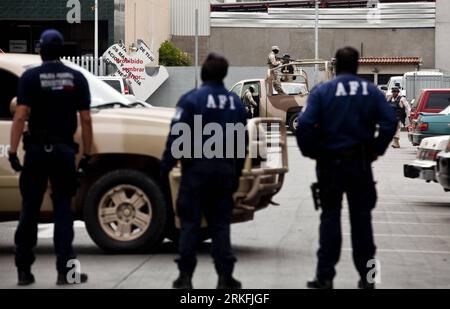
[[196, 48], [96, 39], [316, 42]]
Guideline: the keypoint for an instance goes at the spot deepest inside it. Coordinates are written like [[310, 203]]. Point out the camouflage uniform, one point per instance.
[[272, 62]]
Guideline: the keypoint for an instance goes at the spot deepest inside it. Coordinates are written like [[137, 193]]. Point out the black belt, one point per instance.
[[349, 153], [48, 140]]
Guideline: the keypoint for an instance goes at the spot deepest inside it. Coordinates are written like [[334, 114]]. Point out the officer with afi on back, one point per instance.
[[338, 130], [49, 96], [207, 183]]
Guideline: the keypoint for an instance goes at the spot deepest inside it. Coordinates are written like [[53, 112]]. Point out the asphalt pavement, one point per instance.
[[277, 249]]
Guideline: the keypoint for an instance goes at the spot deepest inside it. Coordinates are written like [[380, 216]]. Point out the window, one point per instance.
[[438, 100], [127, 83], [369, 77], [255, 85], [237, 89], [114, 83], [293, 88], [8, 82], [415, 102]]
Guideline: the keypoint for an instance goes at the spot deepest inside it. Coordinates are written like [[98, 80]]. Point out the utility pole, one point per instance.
[[316, 43], [96, 38], [196, 48]]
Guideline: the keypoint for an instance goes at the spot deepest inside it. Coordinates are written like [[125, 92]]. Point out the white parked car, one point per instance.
[[424, 166], [123, 86], [120, 84]]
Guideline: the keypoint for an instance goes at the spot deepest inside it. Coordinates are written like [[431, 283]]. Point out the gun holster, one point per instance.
[[316, 195]]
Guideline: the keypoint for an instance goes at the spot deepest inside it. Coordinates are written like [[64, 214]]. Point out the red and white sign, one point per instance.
[[136, 66]]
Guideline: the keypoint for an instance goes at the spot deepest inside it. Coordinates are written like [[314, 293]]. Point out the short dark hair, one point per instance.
[[347, 60], [215, 68]]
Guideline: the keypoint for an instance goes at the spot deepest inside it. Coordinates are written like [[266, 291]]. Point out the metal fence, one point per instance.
[[414, 82], [89, 63]]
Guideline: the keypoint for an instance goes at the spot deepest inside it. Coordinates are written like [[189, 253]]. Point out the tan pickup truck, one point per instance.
[[121, 199], [295, 81]]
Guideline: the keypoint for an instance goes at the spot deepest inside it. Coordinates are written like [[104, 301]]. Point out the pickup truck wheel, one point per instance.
[[293, 122], [125, 211]]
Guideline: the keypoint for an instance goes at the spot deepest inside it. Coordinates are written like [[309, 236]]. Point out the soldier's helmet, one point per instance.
[[275, 48]]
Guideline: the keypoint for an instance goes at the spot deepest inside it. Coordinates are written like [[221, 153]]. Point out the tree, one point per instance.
[[170, 55]]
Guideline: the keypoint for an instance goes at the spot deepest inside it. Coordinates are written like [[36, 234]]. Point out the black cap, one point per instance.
[[51, 37]]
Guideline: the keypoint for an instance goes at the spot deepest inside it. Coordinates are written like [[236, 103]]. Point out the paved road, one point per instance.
[[277, 249]]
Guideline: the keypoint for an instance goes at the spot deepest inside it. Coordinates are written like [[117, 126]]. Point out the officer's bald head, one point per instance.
[[215, 68], [347, 60]]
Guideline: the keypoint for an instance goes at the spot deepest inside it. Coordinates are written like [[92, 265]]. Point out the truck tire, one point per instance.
[[292, 122], [125, 211]]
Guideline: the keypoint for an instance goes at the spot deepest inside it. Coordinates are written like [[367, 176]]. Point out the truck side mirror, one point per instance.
[[13, 106], [384, 88]]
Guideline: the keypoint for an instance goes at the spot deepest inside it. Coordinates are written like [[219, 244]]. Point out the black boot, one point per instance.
[[184, 281], [77, 278], [363, 284], [25, 277], [319, 284], [228, 282]]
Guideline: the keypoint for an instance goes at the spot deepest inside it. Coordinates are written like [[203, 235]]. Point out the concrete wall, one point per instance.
[[182, 79], [250, 46], [187, 44], [443, 34], [149, 21]]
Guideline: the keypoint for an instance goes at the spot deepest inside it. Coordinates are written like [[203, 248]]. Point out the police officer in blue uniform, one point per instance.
[[338, 130], [207, 183], [49, 97]]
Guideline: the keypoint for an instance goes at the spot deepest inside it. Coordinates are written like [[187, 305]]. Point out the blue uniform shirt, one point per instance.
[[216, 105], [54, 92], [343, 113]]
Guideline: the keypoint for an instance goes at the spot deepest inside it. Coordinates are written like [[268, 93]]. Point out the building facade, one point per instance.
[[22, 22], [148, 21]]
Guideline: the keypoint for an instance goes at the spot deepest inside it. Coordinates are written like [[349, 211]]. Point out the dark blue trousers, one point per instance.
[[41, 166], [353, 177], [206, 189]]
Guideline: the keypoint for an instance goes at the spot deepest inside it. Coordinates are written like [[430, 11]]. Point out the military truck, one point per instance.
[[122, 200], [295, 81]]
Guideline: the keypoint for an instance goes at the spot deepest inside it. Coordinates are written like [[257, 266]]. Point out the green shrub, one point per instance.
[[170, 55]]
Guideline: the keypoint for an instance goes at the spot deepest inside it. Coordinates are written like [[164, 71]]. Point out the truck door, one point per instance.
[[9, 180], [256, 95], [237, 89]]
